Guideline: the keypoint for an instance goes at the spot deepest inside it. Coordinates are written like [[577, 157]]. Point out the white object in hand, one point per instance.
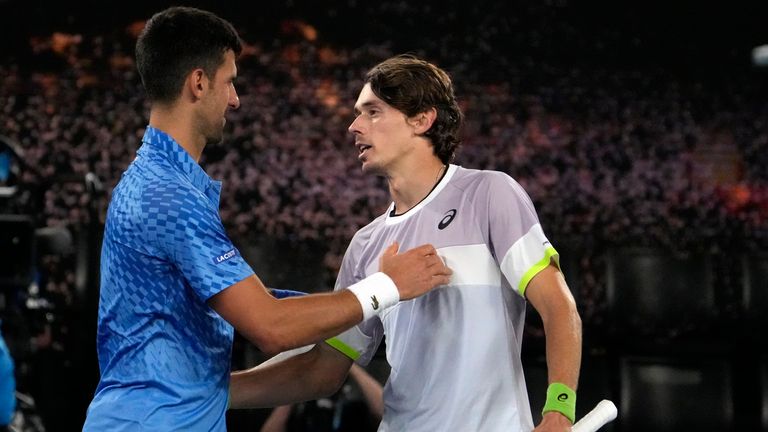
[[603, 413]]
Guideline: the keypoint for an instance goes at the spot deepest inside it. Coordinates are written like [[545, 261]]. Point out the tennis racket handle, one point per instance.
[[603, 413]]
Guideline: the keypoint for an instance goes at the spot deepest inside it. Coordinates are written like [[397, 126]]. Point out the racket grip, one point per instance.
[[603, 413]]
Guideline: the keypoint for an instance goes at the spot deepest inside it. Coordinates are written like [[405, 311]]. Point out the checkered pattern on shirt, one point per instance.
[[164, 354]]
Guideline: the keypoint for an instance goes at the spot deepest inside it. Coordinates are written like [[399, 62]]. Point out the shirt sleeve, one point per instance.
[[517, 239], [7, 385], [187, 229], [359, 343]]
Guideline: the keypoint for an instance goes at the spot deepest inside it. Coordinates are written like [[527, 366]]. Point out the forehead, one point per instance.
[[368, 98]]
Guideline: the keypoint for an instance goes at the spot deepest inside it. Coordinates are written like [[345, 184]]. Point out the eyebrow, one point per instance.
[[368, 104]]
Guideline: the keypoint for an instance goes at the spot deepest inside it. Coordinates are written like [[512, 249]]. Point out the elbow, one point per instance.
[[326, 373], [269, 349], [575, 317], [271, 346], [330, 384], [271, 342], [576, 326], [572, 318], [563, 313]]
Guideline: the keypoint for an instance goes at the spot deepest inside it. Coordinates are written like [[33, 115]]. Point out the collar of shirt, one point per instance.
[[162, 144]]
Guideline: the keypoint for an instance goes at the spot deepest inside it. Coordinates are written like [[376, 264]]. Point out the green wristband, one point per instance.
[[562, 399]]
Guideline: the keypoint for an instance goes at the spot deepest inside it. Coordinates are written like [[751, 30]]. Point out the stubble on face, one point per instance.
[[219, 101]]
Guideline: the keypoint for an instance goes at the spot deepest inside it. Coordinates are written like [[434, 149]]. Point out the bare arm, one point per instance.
[[549, 295], [277, 420], [372, 390], [317, 373], [278, 325]]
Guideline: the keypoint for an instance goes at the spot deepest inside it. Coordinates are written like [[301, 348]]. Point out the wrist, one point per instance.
[[375, 293], [561, 399]]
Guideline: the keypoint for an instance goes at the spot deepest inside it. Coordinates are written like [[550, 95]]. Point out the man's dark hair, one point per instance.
[[177, 41], [413, 86]]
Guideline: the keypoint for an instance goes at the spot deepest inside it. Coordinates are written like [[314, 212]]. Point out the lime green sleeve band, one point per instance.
[[344, 348], [549, 254], [562, 399]]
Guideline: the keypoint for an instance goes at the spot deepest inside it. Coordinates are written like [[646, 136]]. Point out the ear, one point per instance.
[[196, 83], [421, 122]]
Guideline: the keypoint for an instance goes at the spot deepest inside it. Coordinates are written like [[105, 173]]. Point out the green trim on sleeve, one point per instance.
[[343, 348], [549, 254]]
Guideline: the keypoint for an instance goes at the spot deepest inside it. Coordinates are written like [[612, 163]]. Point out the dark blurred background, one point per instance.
[[639, 129]]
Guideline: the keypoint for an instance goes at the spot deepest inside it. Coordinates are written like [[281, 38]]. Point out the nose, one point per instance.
[[234, 100], [354, 127]]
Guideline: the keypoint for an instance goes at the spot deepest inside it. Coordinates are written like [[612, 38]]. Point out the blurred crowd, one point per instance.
[[610, 155]]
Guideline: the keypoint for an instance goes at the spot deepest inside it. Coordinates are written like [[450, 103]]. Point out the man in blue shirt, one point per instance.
[[172, 283], [7, 386]]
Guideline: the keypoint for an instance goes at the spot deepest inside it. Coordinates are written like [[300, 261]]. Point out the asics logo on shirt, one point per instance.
[[447, 219]]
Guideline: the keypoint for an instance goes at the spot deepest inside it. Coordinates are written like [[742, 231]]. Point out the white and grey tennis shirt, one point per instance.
[[455, 352]]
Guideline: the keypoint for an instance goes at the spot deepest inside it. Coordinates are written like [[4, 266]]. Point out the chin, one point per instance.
[[371, 168], [214, 139]]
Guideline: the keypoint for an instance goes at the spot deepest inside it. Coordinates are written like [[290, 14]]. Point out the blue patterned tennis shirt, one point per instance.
[[164, 354]]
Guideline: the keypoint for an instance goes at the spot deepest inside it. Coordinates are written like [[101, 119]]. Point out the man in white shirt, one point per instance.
[[455, 352]]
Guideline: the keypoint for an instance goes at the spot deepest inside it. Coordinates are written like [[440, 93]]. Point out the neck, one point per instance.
[[178, 124], [410, 186]]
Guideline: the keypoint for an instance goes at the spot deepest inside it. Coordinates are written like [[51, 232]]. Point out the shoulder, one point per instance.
[[157, 189], [364, 234], [362, 237], [485, 182]]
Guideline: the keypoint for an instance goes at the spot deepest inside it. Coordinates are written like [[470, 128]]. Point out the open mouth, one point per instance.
[[362, 148]]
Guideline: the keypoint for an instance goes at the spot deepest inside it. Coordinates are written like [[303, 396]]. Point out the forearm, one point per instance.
[[372, 390], [299, 321], [277, 420], [311, 375], [563, 347], [279, 325], [261, 388], [550, 296]]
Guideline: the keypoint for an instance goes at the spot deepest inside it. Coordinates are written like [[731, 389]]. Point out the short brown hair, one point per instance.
[[413, 86]]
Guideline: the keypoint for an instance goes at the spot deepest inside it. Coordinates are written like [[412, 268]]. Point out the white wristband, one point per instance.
[[375, 293]]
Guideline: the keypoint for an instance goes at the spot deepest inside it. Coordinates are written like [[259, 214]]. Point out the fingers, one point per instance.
[[423, 250], [441, 274], [431, 259], [424, 258], [438, 280], [391, 249], [434, 260]]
